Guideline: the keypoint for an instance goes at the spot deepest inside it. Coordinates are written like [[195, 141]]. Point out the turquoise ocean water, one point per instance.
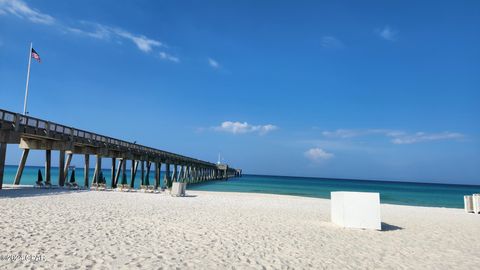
[[419, 194]]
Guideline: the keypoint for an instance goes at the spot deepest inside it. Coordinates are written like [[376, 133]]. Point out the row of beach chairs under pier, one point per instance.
[[178, 189], [72, 184], [472, 203], [125, 188]]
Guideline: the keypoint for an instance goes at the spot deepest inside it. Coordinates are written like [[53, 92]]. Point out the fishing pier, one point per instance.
[[36, 134]]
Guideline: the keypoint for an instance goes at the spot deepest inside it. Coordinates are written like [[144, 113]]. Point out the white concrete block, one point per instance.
[[476, 203], [468, 202], [356, 209], [178, 189]]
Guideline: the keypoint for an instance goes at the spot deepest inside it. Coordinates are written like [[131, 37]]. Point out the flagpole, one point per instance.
[[28, 79]]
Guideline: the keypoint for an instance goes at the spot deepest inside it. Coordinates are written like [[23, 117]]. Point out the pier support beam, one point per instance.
[[142, 173], [147, 175], [98, 169], [113, 173], [194, 174], [157, 174], [124, 172], [86, 170], [117, 175], [3, 153], [21, 166], [133, 173], [191, 176], [61, 165], [67, 164], [168, 179], [180, 174], [48, 167], [175, 173]]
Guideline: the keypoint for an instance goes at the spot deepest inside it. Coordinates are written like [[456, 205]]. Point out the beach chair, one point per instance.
[[94, 186], [124, 188], [102, 187], [151, 189], [39, 183], [72, 184]]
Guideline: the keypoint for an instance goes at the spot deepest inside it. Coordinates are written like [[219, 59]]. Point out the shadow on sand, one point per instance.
[[388, 227], [34, 192]]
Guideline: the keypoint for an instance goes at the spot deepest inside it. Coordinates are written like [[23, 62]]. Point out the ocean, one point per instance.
[[404, 193]]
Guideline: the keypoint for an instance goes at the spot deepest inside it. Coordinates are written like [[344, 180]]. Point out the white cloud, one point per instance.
[[22, 10], [104, 32], [89, 29], [425, 137], [318, 154], [242, 128], [343, 133], [387, 33], [397, 136], [143, 43], [99, 31], [331, 43], [213, 63], [168, 57]]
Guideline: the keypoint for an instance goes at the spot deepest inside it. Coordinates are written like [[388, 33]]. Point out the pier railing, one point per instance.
[[37, 127]]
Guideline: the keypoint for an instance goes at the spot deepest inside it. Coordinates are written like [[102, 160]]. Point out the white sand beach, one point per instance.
[[210, 230]]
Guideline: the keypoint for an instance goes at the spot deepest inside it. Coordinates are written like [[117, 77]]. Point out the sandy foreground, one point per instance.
[[213, 230]]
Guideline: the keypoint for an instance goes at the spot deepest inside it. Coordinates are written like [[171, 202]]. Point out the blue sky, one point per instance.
[[370, 90]]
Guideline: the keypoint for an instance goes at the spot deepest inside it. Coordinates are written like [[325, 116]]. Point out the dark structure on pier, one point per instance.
[[35, 134]]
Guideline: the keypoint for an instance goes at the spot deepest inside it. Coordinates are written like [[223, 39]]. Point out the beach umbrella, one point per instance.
[[100, 178], [72, 176], [147, 181], [124, 178], [39, 176]]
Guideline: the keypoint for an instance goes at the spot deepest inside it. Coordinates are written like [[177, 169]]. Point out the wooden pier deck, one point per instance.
[[31, 133]]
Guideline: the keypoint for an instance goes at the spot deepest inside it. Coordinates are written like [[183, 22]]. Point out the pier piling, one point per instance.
[[21, 166], [61, 165], [157, 175], [67, 165], [3, 153], [48, 167], [113, 176], [86, 170]]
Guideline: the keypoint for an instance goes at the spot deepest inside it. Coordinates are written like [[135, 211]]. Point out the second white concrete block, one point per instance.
[[178, 189]]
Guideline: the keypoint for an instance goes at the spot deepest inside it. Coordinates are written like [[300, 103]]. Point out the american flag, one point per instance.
[[35, 55]]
